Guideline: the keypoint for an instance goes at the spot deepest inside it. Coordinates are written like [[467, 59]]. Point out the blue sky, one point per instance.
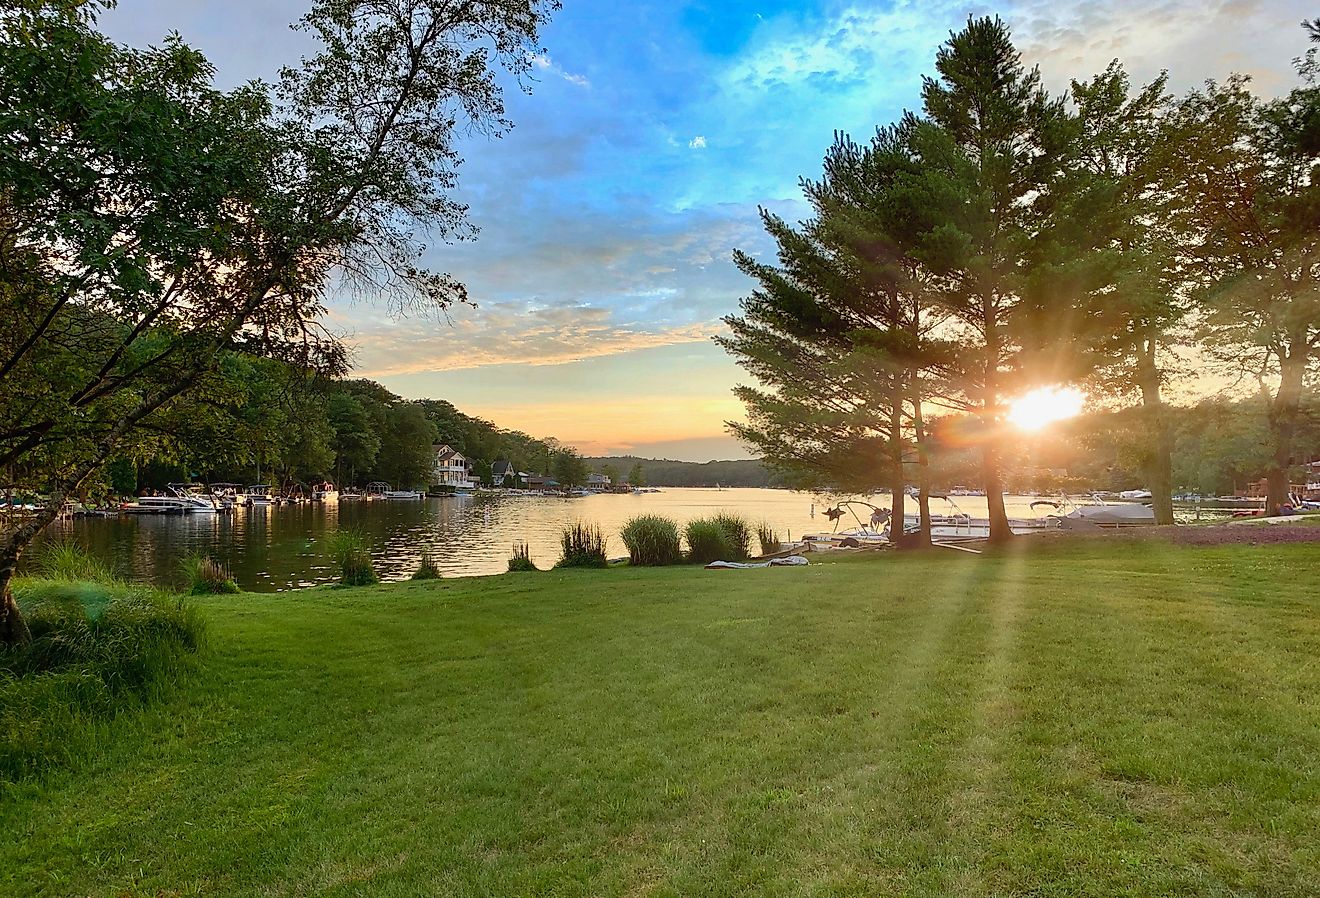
[[653, 132]]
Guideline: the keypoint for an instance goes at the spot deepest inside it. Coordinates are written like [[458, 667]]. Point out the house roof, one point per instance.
[[443, 452], [502, 467]]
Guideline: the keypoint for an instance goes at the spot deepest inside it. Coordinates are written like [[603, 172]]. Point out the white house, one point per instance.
[[501, 471], [597, 482], [452, 469]]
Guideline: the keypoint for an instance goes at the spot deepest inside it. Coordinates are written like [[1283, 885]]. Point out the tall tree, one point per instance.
[[1105, 292], [1245, 170], [140, 205], [990, 146], [834, 331]]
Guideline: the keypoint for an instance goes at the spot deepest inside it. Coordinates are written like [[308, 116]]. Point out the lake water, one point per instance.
[[272, 549]]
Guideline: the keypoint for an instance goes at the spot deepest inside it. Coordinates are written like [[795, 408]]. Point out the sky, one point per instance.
[[653, 132]]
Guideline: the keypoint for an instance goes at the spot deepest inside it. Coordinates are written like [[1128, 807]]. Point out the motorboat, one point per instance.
[[325, 492], [1098, 513], [179, 498]]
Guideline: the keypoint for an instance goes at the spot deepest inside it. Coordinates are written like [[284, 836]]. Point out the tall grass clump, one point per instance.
[[739, 533], [427, 568], [207, 577], [721, 537], [66, 560], [768, 539], [652, 541], [521, 559], [351, 550], [58, 691], [583, 545]]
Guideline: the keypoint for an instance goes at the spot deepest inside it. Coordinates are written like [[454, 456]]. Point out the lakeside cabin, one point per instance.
[[452, 471]]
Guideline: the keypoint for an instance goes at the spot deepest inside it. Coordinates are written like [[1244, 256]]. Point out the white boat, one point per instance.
[[259, 494], [1099, 513], [325, 492], [379, 489], [180, 498]]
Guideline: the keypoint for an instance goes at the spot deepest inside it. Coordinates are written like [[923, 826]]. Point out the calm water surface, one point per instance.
[[273, 549]]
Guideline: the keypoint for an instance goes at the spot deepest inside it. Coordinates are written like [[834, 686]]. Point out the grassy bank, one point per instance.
[[1132, 719]]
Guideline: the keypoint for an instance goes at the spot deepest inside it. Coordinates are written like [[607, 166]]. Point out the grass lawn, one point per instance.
[[1120, 719]]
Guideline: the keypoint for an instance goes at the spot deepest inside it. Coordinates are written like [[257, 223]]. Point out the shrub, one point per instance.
[[768, 539], [67, 560], [78, 670], [521, 560], [651, 540], [739, 533], [351, 550], [583, 546], [427, 569], [206, 576], [707, 541], [722, 537]]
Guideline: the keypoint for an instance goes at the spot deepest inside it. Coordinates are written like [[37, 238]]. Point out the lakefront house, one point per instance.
[[452, 469]]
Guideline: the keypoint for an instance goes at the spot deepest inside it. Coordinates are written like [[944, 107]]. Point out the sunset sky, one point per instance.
[[654, 131]]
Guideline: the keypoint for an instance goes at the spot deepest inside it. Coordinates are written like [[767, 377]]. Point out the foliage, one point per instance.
[[206, 576], [582, 545], [768, 539], [652, 540], [351, 550], [521, 559], [636, 475], [91, 657], [569, 468], [708, 541], [67, 560], [427, 569], [151, 223], [665, 472]]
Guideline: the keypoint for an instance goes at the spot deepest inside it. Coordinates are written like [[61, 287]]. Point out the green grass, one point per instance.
[[1136, 719]]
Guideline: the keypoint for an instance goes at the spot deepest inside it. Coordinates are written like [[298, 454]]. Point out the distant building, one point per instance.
[[452, 469], [501, 471], [597, 482]]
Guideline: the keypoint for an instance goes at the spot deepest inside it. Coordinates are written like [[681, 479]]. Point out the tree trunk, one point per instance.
[[923, 470], [994, 495], [1282, 419], [13, 629], [994, 486], [897, 482], [1159, 472]]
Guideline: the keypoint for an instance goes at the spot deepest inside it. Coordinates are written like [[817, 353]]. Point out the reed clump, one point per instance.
[[768, 538], [582, 545], [351, 550], [427, 569], [207, 577], [721, 537], [521, 559], [652, 541], [67, 560], [97, 650]]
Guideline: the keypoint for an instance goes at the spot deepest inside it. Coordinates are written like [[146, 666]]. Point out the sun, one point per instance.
[[1045, 405]]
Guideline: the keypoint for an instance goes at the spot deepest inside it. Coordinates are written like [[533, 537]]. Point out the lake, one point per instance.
[[269, 549]]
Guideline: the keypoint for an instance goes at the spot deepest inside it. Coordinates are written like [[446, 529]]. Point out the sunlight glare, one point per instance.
[[1044, 406]]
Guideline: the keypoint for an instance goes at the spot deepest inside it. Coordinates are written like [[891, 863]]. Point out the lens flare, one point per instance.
[[1044, 406]]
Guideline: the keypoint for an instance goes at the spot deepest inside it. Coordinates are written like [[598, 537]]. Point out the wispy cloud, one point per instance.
[[697, 143], [508, 333], [542, 62]]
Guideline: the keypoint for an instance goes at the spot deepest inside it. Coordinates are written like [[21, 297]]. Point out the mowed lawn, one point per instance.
[[1103, 719]]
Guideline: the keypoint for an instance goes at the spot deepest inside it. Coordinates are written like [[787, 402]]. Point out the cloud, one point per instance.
[[507, 333], [697, 143], [544, 63]]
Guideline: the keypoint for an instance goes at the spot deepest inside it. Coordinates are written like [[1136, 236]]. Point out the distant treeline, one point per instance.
[[663, 472]]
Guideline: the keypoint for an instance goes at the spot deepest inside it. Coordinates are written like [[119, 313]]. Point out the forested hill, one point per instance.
[[662, 472]]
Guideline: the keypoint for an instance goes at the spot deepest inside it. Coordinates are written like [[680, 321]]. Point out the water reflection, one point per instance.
[[270, 549]]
